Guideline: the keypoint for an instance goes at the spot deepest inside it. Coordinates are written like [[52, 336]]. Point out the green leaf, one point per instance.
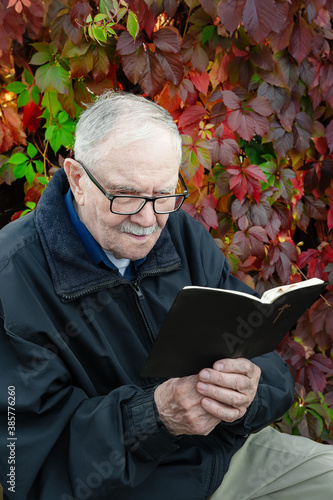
[[23, 98], [52, 76], [29, 77], [51, 104], [208, 33], [105, 6], [30, 173], [43, 77], [60, 79], [40, 58], [20, 170], [35, 94], [49, 132], [62, 117], [100, 17], [31, 205], [17, 159], [16, 87], [42, 180], [132, 24], [31, 150], [99, 33], [39, 166], [89, 19]]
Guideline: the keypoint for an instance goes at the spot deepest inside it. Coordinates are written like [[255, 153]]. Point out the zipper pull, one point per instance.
[[138, 291]]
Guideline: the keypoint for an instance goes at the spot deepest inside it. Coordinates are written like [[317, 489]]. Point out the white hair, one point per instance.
[[135, 117]]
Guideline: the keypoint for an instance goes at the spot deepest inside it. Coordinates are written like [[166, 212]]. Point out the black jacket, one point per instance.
[[74, 337]]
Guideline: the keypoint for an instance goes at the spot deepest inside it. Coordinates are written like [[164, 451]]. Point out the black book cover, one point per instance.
[[205, 325]]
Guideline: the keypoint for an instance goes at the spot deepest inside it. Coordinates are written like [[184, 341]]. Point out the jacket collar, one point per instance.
[[72, 268]]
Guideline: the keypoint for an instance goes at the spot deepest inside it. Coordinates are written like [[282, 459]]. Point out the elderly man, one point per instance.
[[86, 282]]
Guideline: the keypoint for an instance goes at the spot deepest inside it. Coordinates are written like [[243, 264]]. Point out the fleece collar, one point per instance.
[[73, 269]]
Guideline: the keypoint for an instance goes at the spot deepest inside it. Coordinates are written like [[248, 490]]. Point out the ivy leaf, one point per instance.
[[301, 39], [201, 82], [132, 24], [329, 135], [127, 44], [31, 150], [16, 87], [134, 65], [191, 115], [166, 40], [17, 159], [259, 17], [101, 64], [200, 58], [172, 65], [153, 77], [315, 208], [231, 13], [50, 76], [23, 98]]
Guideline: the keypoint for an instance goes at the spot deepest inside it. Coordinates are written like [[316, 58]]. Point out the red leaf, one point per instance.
[[134, 65], [330, 218], [261, 105], [192, 114], [259, 233], [329, 135], [227, 149], [255, 172], [317, 379], [230, 13], [153, 78], [230, 99], [283, 268], [200, 58], [173, 66], [305, 257], [241, 245], [127, 44], [301, 40], [31, 116], [201, 82], [166, 40], [259, 18]]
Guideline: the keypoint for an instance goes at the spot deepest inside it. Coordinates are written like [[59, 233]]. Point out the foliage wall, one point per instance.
[[249, 83]]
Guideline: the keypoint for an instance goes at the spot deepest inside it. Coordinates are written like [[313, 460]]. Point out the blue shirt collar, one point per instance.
[[91, 245]]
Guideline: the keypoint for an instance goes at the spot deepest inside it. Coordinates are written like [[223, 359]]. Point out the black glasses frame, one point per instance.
[[146, 199]]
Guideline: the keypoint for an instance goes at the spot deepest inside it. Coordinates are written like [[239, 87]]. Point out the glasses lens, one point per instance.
[[124, 205], [168, 204], [127, 206]]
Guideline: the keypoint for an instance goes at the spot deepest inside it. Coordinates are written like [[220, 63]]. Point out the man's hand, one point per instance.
[[196, 404]]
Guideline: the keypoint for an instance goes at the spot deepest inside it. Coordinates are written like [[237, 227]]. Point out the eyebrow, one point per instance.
[[118, 188]]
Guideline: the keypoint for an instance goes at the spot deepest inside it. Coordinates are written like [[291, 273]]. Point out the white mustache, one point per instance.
[[131, 228]]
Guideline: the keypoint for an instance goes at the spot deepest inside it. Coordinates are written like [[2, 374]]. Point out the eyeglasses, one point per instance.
[[123, 204]]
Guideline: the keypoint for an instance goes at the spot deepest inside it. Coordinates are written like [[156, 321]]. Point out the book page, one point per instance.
[[270, 295]]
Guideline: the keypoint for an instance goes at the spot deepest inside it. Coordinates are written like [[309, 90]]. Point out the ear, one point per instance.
[[76, 179]]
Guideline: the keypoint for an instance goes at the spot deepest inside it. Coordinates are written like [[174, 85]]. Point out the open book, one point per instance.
[[208, 324]]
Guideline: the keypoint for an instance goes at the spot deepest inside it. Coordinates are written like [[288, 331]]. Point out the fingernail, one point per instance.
[[219, 367], [204, 375]]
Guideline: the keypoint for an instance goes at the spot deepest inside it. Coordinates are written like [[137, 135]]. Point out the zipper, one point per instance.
[[140, 296], [110, 284]]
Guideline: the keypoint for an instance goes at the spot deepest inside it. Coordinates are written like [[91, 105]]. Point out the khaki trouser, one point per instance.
[[278, 466]]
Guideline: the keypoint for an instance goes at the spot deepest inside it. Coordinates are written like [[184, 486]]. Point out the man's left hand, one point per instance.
[[230, 384]]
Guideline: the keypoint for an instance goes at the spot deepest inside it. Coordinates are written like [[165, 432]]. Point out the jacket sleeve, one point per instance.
[[58, 429]]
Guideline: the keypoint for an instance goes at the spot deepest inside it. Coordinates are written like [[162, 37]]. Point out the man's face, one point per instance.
[[143, 168]]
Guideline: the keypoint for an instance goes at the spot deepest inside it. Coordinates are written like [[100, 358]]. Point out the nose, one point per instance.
[[146, 217]]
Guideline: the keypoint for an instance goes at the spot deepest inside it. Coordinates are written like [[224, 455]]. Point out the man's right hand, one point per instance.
[[196, 404]]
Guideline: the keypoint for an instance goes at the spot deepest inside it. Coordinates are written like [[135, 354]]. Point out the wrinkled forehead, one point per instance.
[[146, 137]]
